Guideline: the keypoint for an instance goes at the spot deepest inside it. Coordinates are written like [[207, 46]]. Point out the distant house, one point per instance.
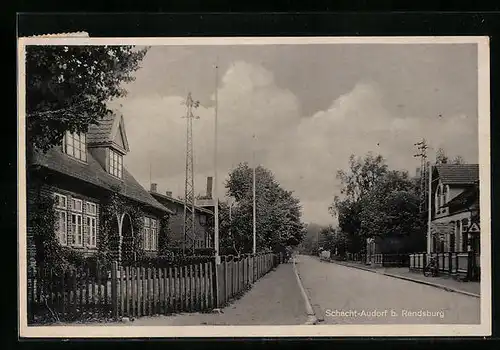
[[455, 208], [81, 175], [203, 219]]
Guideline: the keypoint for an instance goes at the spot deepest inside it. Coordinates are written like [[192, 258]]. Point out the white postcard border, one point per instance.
[[483, 329]]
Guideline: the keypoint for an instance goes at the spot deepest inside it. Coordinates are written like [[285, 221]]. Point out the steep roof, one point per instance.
[[458, 174], [160, 197], [106, 131], [92, 172], [466, 198]]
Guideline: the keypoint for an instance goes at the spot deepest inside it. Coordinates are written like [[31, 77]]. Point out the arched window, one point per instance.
[[437, 198], [446, 194]]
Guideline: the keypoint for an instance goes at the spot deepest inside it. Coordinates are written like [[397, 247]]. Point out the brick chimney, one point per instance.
[[168, 194], [154, 187], [209, 187]]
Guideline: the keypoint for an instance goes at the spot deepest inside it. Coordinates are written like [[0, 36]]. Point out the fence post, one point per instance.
[[226, 287], [470, 258], [216, 283], [114, 289]]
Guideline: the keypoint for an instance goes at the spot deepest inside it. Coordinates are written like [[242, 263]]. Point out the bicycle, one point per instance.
[[431, 269]]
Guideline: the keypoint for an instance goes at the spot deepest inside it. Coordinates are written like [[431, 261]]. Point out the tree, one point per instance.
[[309, 244], [68, 88], [335, 241], [357, 181], [391, 208], [278, 212], [361, 175]]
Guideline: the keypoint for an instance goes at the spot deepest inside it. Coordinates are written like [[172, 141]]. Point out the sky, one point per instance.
[[309, 106]]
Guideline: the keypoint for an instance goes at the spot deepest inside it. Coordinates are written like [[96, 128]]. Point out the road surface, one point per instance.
[[346, 295]]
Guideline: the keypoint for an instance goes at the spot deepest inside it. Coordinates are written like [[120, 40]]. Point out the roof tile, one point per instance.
[[458, 174], [92, 172], [101, 132]]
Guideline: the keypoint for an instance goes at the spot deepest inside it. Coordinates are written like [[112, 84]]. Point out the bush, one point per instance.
[[171, 260], [205, 251]]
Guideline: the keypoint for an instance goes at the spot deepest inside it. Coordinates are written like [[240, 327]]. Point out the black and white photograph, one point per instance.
[[180, 187]]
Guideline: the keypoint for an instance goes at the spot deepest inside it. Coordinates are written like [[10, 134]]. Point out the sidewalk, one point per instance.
[[275, 299], [443, 282]]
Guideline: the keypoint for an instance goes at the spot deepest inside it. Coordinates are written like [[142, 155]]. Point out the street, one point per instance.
[[345, 295]]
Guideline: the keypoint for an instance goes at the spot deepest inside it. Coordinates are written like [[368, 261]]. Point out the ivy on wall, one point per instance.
[[164, 235], [109, 240], [48, 251]]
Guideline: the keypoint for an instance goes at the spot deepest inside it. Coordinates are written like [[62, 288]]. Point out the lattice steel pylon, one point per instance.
[[422, 154], [189, 197]]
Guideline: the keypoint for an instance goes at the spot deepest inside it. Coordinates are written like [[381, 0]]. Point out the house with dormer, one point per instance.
[[82, 175], [455, 223]]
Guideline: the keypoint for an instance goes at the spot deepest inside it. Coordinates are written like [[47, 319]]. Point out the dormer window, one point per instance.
[[75, 145], [115, 163], [442, 196], [446, 194], [437, 199]]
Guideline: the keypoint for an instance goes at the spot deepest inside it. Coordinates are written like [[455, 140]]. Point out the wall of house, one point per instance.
[[99, 153], [71, 188], [47, 191], [177, 224], [451, 220]]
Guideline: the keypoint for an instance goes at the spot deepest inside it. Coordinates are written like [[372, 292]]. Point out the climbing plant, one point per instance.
[[48, 251], [112, 207], [163, 235]]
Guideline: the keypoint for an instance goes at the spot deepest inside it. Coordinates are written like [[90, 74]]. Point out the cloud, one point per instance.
[[304, 152]]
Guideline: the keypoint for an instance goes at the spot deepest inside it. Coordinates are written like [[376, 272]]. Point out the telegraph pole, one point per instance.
[[189, 205], [422, 154], [425, 188], [254, 209], [216, 196]]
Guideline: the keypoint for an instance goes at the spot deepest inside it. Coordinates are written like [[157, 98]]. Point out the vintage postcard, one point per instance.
[[254, 187]]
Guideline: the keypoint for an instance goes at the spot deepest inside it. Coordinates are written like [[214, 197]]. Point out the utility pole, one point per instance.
[[429, 210], [189, 207], [422, 154], [254, 204], [230, 204], [150, 163], [216, 196], [425, 188]]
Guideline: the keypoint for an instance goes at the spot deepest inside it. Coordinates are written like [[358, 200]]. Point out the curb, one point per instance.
[[311, 317], [436, 285]]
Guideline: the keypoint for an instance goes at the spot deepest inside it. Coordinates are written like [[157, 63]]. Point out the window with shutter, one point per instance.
[[150, 234], [90, 223], [60, 204]]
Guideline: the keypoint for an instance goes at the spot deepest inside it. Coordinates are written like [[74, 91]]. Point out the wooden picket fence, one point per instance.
[[236, 274], [143, 291], [68, 295], [115, 292]]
